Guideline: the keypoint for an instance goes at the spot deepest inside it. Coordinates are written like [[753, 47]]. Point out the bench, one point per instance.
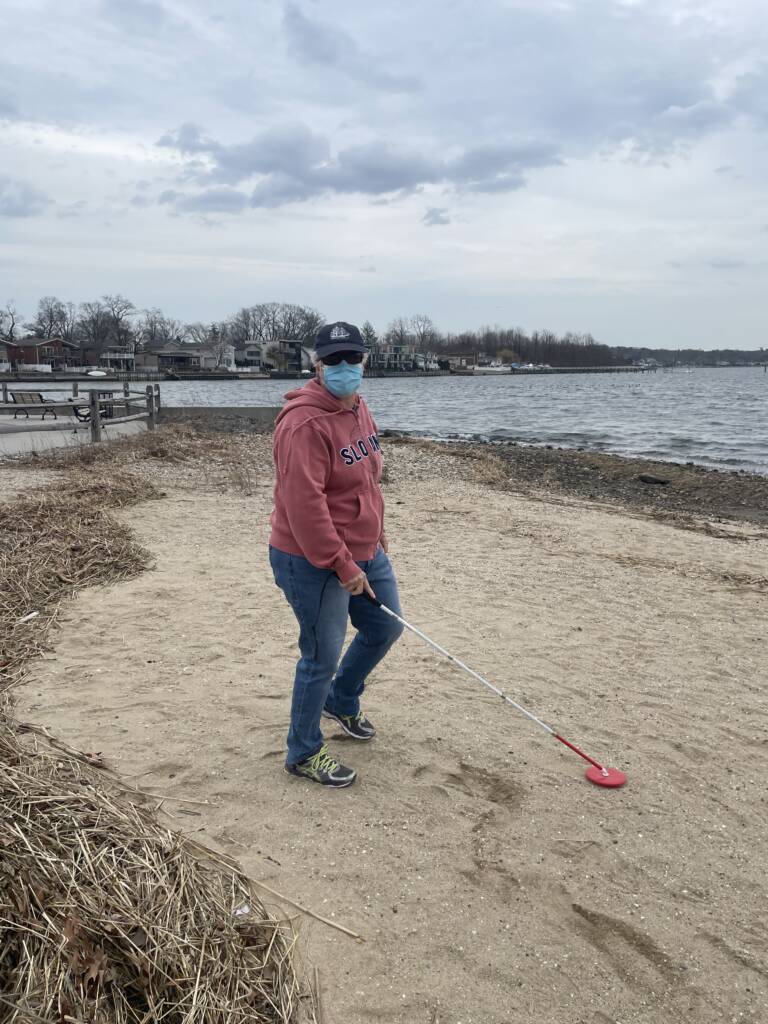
[[106, 407], [30, 398]]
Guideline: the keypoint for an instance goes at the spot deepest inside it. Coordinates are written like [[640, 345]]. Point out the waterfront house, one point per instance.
[[462, 361], [41, 354], [288, 355], [112, 357], [187, 357], [250, 356]]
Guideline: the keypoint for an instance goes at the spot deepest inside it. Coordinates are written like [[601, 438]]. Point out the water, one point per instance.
[[714, 417]]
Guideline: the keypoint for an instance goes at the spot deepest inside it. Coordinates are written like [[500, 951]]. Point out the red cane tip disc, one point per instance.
[[612, 778]]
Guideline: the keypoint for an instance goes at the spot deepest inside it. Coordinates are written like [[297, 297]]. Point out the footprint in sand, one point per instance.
[[493, 799], [474, 782], [634, 955]]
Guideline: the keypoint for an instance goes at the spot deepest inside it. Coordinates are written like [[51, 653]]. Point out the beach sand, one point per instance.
[[491, 882]]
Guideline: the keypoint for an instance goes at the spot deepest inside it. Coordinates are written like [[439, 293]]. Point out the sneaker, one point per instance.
[[323, 768], [357, 726]]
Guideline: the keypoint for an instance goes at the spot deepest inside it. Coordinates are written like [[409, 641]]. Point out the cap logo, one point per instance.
[[338, 333]]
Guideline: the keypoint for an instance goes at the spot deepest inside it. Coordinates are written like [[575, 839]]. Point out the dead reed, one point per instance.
[[186, 457], [54, 542], [109, 917]]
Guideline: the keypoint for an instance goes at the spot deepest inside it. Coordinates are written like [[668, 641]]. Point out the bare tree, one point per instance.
[[68, 324], [311, 323], [154, 329], [219, 343], [120, 310], [94, 326], [268, 322], [214, 336], [424, 332], [265, 322], [49, 317], [198, 333], [9, 318], [290, 321], [399, 332], [242, 326]]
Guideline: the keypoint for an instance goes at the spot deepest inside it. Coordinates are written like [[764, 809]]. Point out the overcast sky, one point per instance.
[[587, 165]]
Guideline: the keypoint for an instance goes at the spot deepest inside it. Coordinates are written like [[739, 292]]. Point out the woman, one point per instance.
[[328, 550]]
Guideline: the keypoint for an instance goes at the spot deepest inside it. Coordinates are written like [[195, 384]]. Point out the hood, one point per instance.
[[312, 396]]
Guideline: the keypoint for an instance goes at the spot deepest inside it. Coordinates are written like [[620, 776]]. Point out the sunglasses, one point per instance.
[[348, 357]]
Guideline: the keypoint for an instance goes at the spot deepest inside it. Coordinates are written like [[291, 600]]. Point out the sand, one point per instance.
[[492, 883]]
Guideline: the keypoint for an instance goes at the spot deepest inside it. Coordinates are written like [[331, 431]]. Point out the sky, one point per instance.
[[589, 165]]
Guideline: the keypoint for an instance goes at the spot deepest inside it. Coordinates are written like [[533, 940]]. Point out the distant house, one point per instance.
[[249, 356], [393, 356], [287, 354], [188, 357], [282, 354], [113, 357], [48, 353], [462, 360]]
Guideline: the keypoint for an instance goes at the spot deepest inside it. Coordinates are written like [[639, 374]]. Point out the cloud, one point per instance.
[[279, 189], [290, 149], [330, 46], [18, 199], [727, 264], [72, 210], [294, 164], [435, 216], [751, 93], [693, 121], [8, 108], [376, 168], [212, 200], [188, 138], [141, 16]]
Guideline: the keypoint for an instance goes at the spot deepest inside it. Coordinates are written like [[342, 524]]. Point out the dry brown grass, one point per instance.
[[179, 455], [108, 917], [105, 916], [53, 543], [170, 444]]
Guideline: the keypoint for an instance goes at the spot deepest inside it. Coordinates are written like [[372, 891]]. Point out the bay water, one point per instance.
[[713, 417]]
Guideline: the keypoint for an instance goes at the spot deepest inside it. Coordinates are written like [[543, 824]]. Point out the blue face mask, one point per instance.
[[343, 379]]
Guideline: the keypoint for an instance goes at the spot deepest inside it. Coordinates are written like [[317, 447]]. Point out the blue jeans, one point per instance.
[[322, 605]]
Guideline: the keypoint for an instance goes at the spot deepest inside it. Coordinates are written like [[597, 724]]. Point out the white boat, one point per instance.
[[492, 368]]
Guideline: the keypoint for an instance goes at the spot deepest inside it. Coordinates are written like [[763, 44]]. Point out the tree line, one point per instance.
[[113, 320]]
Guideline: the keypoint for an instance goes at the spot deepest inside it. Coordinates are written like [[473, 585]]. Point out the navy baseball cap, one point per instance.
[[338, 337]]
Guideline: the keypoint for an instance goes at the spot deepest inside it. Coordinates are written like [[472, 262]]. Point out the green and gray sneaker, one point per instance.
[[323, 768], [357, 726]]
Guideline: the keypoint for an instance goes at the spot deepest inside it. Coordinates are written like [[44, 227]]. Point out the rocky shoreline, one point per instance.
[[667, 489]]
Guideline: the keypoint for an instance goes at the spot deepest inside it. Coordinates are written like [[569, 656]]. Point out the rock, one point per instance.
[[649, 478]]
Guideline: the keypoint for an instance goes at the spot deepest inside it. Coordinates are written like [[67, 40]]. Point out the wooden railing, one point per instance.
[[94, 407]]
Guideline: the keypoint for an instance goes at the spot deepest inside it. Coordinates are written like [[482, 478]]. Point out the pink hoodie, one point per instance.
[[328, 502]]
